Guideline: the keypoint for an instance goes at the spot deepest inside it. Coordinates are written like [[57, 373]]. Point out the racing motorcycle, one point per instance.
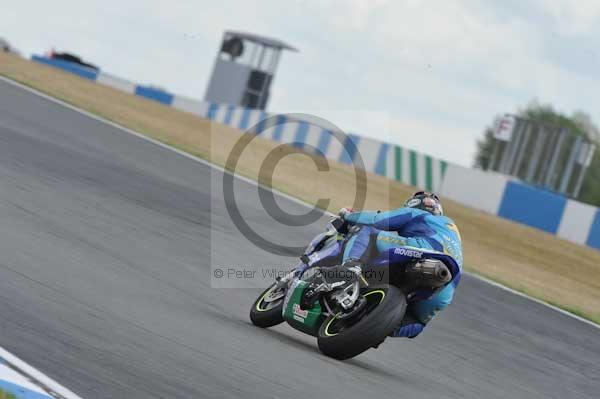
[[349, 317]]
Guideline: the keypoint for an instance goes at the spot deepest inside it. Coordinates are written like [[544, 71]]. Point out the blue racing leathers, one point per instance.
[[402, 228]]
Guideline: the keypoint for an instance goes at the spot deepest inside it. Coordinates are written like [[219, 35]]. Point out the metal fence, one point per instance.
[[543, 155]]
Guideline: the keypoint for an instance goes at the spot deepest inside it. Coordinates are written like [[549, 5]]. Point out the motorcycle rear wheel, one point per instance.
[[345, 338], [267, 314]]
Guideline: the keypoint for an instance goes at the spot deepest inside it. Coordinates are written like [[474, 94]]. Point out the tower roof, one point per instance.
[[267, 41]]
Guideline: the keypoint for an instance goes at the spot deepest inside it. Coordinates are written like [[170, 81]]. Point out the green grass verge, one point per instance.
[[6, 395]]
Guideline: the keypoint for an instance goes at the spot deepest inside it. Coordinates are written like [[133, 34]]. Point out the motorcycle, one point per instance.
[[350, 317]]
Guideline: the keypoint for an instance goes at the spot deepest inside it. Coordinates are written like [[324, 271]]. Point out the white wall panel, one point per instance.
[[313, 135], [289, 132], [576, 221], [255, 117], [190, 105], [369, 150], [237, 117], [116, 83], [221, 113], [473, 187]]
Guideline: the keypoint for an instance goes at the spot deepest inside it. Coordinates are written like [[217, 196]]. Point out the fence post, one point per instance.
[[537, 149], [569, 168], [549, 181]]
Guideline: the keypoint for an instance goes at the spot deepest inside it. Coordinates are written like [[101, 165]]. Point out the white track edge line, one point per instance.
[[275, 191], [38, 376]]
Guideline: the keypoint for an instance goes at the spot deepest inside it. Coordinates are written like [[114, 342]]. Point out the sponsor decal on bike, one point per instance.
[[299, 314], [408, 252]]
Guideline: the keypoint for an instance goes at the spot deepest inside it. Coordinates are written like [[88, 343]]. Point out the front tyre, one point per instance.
[[267, 310], [345, 338]]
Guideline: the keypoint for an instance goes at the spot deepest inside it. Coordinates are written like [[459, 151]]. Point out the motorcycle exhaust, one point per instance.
[[429, 273]]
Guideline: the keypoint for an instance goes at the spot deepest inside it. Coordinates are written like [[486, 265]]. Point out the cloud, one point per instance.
[[454, 65]]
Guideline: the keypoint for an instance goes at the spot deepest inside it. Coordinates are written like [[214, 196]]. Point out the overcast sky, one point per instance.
[[435, 71]]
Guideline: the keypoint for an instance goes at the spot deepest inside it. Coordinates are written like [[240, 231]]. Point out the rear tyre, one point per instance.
[[267, 310], [343, 339]]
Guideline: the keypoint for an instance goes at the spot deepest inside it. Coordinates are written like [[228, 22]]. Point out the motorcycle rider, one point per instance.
[[419, 224]]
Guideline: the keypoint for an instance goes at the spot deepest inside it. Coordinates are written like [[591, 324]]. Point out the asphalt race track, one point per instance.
[[106, 244]]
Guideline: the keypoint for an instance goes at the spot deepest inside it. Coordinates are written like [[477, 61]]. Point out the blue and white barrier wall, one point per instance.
[[490, 192], [87, 73], [107, 79], [514, 200], [393, 161], [475, 188], [116, 82]]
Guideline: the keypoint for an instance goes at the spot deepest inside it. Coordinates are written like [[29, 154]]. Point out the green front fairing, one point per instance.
[[308, 321]]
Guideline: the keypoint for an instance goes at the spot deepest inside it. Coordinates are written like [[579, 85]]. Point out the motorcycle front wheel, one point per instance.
[[267, 310], [344, 338]]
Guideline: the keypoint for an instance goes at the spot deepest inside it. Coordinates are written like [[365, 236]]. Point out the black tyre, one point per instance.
[[267, 309], [345, 338]]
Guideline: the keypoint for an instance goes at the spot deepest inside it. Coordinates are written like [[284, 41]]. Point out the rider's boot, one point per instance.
[[409, 328]]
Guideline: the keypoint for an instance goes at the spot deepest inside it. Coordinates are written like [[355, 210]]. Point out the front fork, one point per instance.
[[282, 282]]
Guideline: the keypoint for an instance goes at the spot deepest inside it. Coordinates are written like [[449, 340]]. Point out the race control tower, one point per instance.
[[244, 69]]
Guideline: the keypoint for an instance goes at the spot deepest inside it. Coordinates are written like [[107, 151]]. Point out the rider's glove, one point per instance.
[[342, 213]]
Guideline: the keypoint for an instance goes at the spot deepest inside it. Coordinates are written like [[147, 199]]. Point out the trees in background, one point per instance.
[[578, 124]]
